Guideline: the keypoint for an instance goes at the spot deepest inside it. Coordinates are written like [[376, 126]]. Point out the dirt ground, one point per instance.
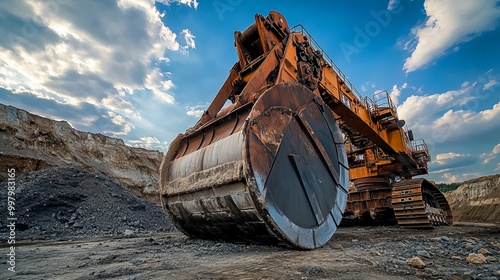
[[74, 224], [353, 253]]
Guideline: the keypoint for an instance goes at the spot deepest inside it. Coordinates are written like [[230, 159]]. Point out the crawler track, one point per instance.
[[417, 203]]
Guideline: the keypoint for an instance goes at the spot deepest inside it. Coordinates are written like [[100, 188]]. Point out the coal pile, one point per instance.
[[71, 203]]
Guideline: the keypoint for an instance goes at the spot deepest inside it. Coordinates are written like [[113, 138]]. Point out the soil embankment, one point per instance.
[[477, 200], [29, 143]]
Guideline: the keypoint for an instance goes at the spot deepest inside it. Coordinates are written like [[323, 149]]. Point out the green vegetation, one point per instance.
[[444, 187]]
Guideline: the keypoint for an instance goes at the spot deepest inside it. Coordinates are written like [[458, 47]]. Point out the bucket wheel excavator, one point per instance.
[[275, 165]]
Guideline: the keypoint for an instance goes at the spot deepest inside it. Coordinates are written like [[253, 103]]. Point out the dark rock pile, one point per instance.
[[70, 203]]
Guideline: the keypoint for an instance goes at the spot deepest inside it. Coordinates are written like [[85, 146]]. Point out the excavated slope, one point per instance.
[[29, 143], [477, 200]]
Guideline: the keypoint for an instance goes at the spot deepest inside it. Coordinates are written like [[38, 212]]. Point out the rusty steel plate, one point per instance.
[[282, 178]]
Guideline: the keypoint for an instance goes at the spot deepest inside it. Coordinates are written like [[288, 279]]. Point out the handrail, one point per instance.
[[382, 99], [370, 105], [419, 145]]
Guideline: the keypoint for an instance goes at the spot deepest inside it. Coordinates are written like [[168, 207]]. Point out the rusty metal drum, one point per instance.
[[272, 171]]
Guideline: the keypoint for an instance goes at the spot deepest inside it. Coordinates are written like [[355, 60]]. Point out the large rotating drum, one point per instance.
[[272, 171]]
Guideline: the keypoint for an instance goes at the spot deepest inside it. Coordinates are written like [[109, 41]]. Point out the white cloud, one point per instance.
[[451, 115], [88, 52], [392, 4], [450, 178], [160, 89], [450, 175], [114, 124], [110, 55], [498, 167], [189, 38], [487, 157], [445, 158], [455, 124], [195, 111], [148, 143], [367, 85], [190, 3], [490, 84], [421, 109], [449, 23], [457, 178], [395, 93], [447, 162]]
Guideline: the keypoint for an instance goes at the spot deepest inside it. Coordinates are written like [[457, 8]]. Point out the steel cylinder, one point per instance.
[[274, 171]]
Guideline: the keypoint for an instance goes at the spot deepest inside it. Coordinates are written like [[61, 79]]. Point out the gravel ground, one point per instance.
[[443, 252], [73, 224], [353, 253], [70, 203]]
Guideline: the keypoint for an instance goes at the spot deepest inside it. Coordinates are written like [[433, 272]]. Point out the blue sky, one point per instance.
[[144, 70]]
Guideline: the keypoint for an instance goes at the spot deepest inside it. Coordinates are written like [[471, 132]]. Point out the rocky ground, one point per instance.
[[353, 253], [74, 224], [70, 203]]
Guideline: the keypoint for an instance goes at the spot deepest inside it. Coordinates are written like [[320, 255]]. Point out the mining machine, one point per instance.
[[272, 157]]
